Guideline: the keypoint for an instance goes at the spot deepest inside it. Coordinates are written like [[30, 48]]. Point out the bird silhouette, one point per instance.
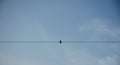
[[60, 41]]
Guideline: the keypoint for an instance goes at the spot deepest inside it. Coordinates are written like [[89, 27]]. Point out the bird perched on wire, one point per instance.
[[60, 41]]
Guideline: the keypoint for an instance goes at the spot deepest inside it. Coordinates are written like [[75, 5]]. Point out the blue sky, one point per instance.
[[39, 20]]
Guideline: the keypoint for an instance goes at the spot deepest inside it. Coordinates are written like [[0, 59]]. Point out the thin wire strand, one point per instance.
[[91, 41], [29, 41], [59, 41]]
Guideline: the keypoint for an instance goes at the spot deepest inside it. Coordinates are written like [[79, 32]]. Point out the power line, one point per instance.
[[92, 41], [29, 41], [59, 42]]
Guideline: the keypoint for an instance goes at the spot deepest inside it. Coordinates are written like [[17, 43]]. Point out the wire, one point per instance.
[[92, 41], [59, 41], [28, 41]]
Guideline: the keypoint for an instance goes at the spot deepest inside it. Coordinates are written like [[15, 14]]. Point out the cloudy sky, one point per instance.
[[52, 20]]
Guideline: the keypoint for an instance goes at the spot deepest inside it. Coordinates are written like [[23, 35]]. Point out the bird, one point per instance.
[[60, 41]]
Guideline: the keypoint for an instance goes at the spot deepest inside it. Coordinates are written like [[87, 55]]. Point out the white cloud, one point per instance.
[[100, 29], [81, 57], [16, 60], [110, 60], [85, 57]]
